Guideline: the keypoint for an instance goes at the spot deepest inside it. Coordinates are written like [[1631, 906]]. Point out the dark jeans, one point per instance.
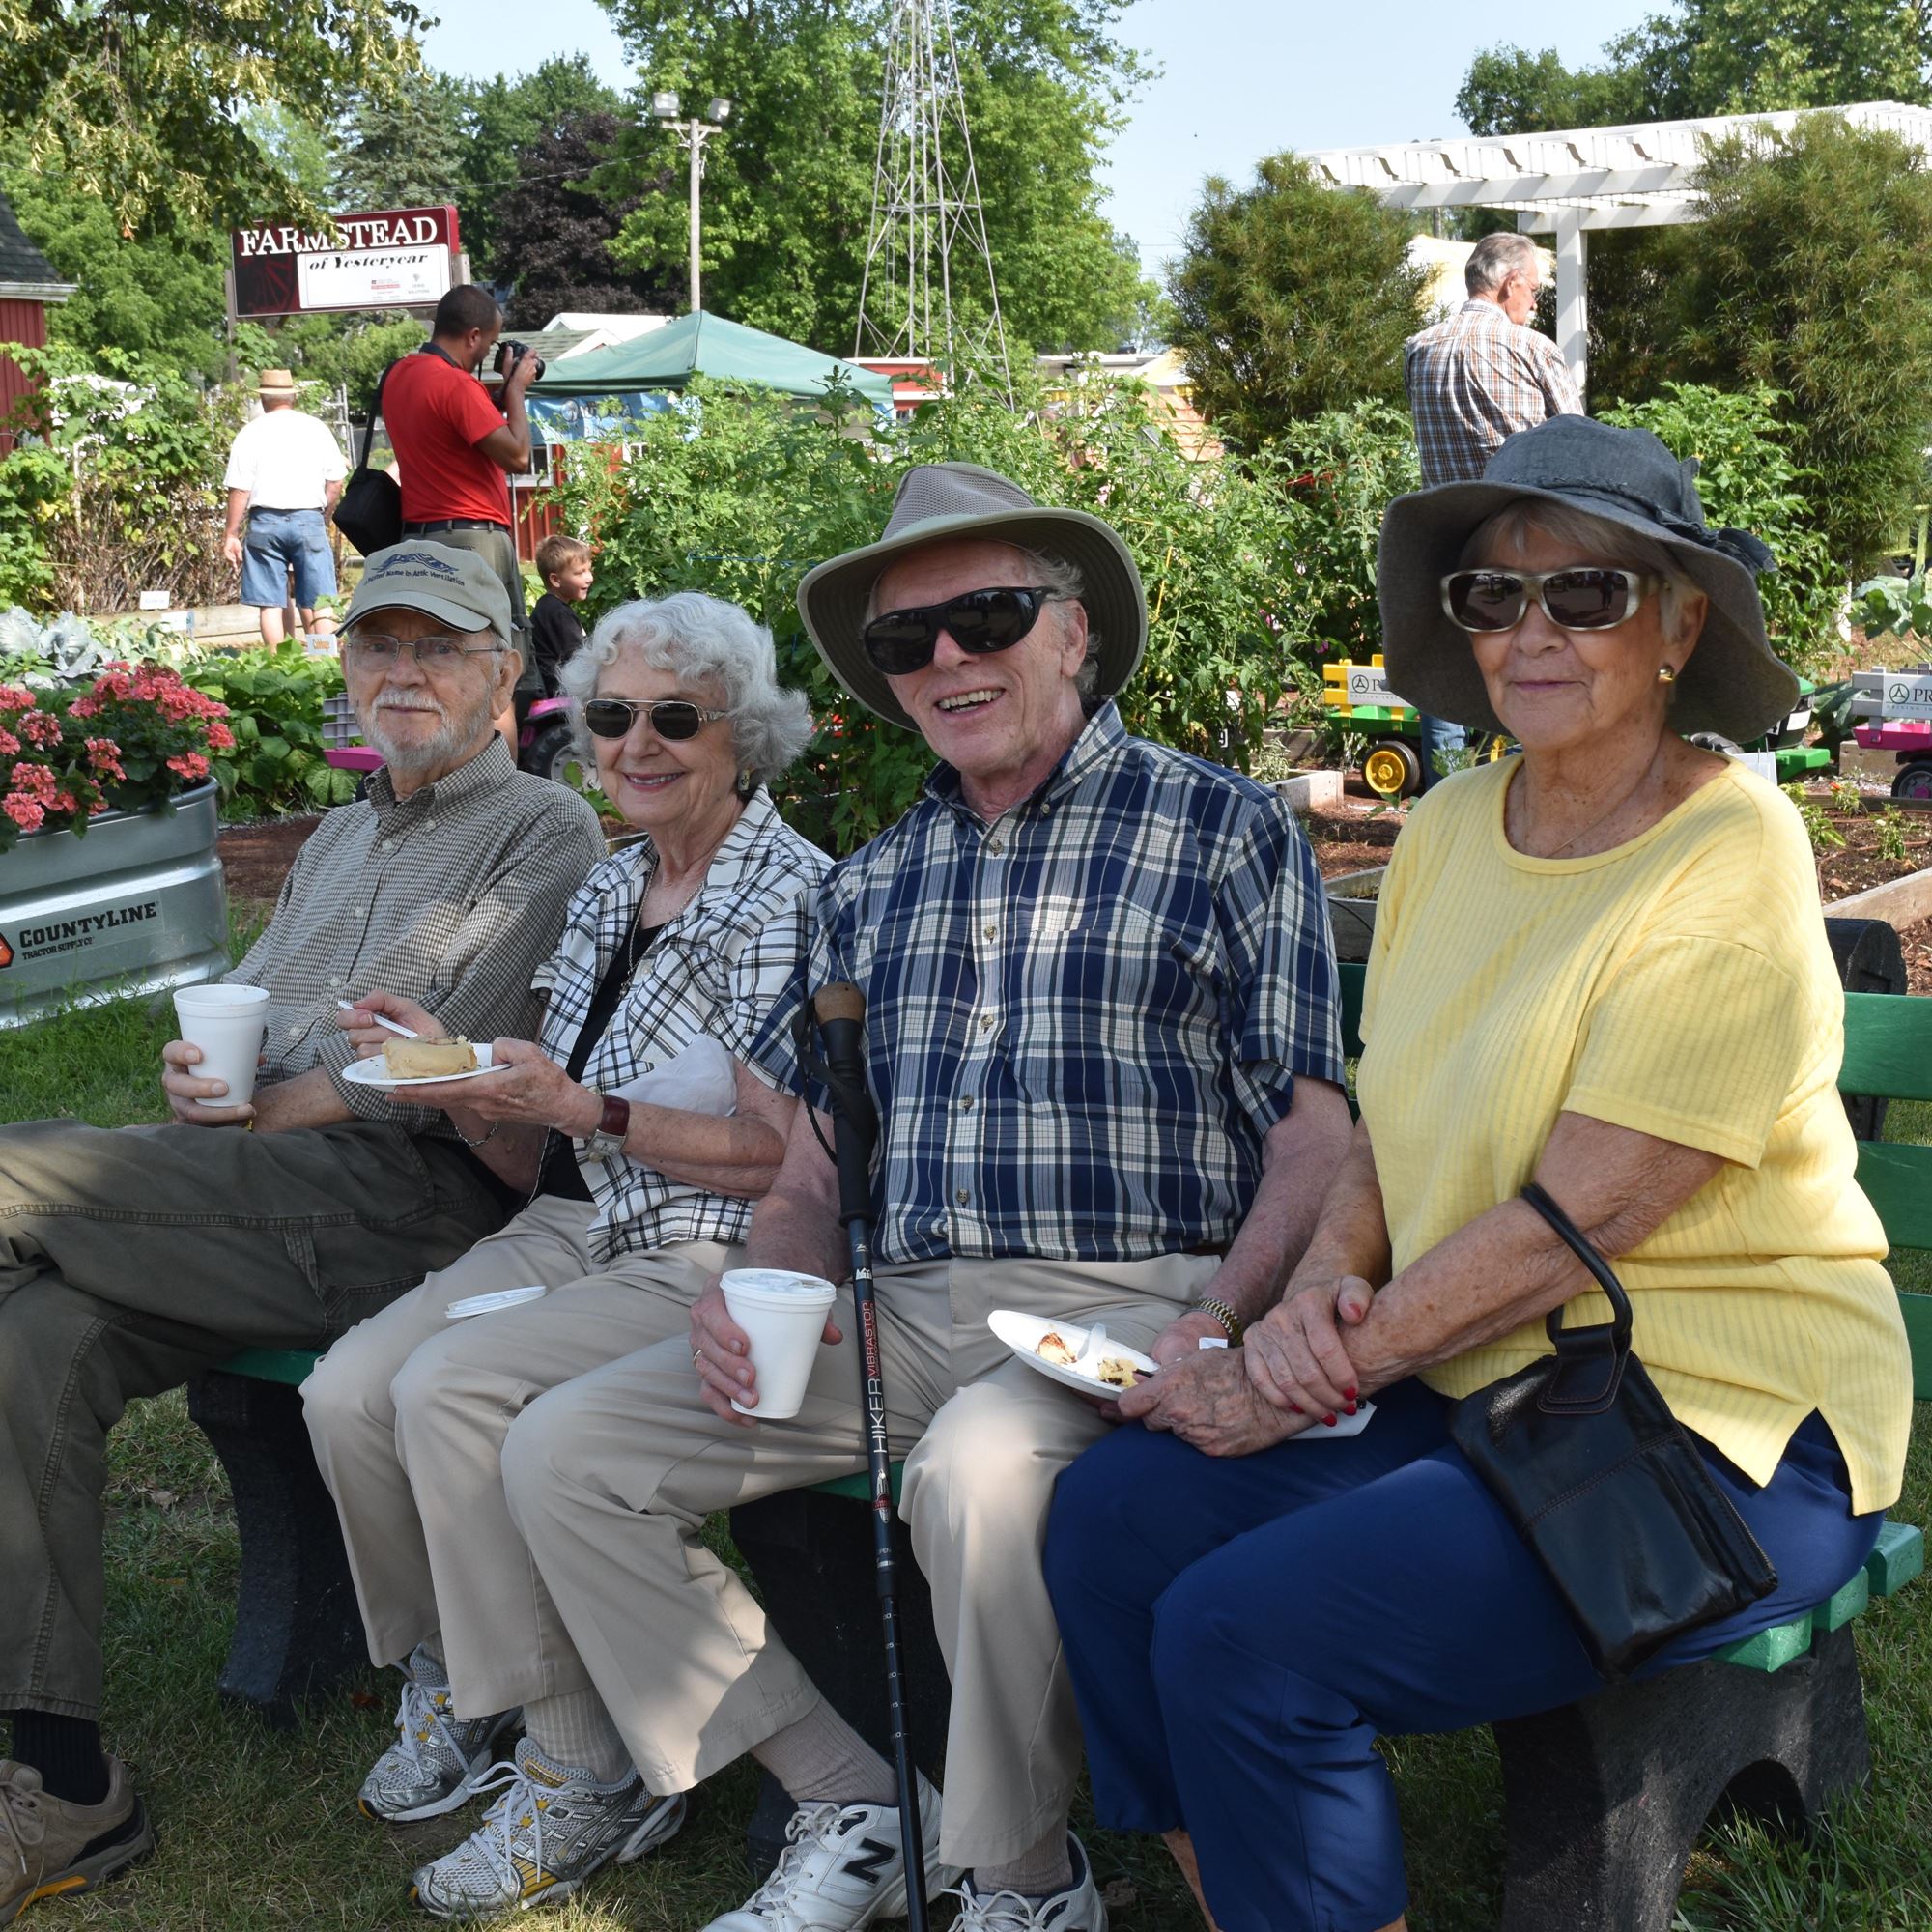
[[1240, 1632], [132, 1258]]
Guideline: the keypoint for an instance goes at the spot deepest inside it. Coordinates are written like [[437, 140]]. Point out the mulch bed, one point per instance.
[[1917, 942], [1857, 865], [256, 858]]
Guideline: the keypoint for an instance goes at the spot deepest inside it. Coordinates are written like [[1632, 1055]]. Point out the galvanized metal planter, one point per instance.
[[136, 906]]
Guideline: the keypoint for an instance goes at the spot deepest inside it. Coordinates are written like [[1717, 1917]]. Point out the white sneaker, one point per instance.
[[437, 1757], [1077, 1909], [842, 1868], [551, 1831]]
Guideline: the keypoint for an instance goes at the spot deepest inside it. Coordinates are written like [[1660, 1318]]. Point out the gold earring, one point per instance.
[[1666, 674]]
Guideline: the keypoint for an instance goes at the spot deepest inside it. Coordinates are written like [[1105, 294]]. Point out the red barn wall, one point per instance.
[[23, 322]]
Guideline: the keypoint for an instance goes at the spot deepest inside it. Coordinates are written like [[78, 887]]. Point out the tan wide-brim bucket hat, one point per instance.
[[1734, 683], [942, 501], [276, 383]]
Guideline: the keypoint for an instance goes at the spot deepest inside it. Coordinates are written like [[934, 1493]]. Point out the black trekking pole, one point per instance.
[[841, 1008]]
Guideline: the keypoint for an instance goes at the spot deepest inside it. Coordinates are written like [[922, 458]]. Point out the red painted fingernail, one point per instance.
[[1350, 1409], [1348, 1395], [1292, 1410], [1328, 1421]]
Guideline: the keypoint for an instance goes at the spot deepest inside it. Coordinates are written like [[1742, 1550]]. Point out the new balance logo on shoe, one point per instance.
[[872, 1859]]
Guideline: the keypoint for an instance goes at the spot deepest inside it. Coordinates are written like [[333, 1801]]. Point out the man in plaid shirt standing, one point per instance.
[[1477, 377], [1102, 1033]]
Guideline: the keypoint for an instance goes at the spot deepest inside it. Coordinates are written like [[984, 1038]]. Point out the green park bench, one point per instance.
[[1604, 1799]]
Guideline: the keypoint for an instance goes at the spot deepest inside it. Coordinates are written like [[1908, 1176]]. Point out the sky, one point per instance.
[[1239, 78]]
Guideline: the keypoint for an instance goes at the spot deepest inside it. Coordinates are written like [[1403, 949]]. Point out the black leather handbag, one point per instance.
[[369, 512], [1608, 1487]]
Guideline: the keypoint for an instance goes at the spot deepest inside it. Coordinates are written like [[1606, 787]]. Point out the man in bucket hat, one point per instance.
[[1102, 1035], [132, 1258]]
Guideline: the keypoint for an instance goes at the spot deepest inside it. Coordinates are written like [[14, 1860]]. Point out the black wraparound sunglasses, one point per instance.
[[670, 717], [978, 621], [1585, 597]]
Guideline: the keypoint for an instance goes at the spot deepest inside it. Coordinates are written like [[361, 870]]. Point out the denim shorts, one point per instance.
[[279, 541]]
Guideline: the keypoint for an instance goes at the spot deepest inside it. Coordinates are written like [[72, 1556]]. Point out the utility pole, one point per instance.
[[694, 132]]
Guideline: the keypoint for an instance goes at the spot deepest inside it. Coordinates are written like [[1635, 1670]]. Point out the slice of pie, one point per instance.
[[1051, 1349], [428, 1059]]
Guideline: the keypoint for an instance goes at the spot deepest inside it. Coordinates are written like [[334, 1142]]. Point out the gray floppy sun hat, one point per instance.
[[1733, 683], [950, 501]]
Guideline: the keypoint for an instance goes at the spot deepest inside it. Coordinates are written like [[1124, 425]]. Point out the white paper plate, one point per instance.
[[369, 1072], [1021, 1334]]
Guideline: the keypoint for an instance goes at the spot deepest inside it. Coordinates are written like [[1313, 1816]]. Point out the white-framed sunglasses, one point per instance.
[[1583, 597]]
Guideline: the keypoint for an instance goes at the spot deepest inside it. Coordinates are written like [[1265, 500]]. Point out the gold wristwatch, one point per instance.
[[1224, 1316]]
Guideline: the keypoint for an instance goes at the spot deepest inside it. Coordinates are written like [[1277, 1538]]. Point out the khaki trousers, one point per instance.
[[610, 1477], [408, 1413]]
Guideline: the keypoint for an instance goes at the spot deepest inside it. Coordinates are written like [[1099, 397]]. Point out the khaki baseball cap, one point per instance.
[[456, 586]]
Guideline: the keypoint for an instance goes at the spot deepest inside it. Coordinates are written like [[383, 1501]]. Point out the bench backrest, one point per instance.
[[1887, 1056]]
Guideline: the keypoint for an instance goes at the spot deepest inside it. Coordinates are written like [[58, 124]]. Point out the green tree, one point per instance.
[[506, 117], [150, 108], [156, 297], [1712, 57], [405, 148], [1290, 299], [1836, 316], [788, 189]]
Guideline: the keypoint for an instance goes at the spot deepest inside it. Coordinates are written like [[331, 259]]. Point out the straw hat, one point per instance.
[[276, 383], [1734, 683], [949, 501]]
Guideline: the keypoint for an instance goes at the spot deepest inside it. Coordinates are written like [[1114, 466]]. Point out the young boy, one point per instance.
[[564, 565]]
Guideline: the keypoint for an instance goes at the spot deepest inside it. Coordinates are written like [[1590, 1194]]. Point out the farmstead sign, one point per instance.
[[389, 258]]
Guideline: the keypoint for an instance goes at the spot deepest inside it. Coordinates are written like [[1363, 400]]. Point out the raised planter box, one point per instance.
[[136, 906], [1311, 790]]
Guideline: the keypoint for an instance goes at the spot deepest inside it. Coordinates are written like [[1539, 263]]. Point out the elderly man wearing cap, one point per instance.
[[1102, 1033], [284, 475], [130, 1258]]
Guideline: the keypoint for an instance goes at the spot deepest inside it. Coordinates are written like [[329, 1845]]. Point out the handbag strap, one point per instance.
[[375, 416], [1589, 1361]]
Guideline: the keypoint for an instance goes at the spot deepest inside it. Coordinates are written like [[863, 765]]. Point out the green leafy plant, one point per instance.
[[274, 700], [120, 492], [1899, 605], [1818, 827], [1890, 843]]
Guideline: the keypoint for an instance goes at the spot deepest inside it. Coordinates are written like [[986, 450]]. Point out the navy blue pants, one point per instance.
[[1240, 1632]]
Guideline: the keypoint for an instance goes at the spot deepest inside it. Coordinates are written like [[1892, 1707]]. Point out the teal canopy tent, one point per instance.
[[588, 395]]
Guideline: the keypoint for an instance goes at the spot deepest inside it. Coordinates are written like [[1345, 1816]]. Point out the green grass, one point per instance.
[[258, 1829]]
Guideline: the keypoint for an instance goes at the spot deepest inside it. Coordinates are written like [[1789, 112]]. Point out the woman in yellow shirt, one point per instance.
[[1600, 966]]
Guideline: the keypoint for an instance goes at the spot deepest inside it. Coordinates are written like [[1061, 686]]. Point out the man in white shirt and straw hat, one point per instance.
[[284, 474]]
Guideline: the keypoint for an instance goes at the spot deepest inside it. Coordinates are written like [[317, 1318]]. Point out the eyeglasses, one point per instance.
[[1581, 598], [371, 650], [671, 718], [978, 621]]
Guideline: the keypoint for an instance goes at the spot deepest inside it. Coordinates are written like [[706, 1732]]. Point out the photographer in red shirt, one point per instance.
[[457, 446]]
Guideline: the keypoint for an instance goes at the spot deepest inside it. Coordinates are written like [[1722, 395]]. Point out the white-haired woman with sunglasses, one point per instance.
[[634, 1141], [1600, 967]]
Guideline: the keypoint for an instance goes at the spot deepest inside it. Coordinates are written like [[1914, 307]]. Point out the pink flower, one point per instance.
[[220, 738], [23, 811], [189, 764], [34, 782], [9, 743]]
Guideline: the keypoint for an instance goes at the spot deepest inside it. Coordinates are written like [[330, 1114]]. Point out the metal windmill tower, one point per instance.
[[927, 245]]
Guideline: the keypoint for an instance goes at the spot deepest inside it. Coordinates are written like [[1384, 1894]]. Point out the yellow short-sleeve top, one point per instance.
[[1682, 985]]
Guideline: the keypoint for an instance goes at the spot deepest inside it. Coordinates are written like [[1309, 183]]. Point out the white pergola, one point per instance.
[[1564, 184]]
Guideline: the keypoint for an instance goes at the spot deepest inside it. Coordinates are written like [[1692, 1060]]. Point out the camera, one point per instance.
[[510, 352]]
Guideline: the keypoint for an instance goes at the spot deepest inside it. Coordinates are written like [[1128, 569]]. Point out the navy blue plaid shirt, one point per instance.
[[1082, 1019]]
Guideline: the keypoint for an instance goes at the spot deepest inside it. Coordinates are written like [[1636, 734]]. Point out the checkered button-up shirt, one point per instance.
[[1082, 1019], [451, 896], [1475, 378], [716, 968]]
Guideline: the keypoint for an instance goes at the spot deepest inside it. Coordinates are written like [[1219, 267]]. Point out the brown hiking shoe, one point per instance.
[[49, 1848]]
